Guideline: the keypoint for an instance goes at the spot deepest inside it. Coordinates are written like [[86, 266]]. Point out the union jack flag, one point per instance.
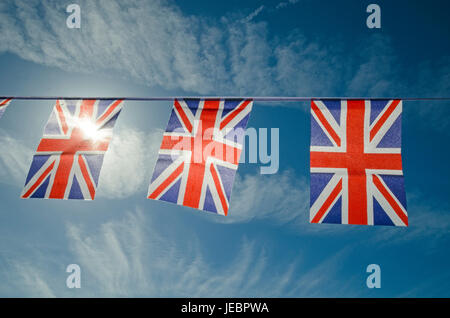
[[200, 152], [3, 104], [356, 164], [69, 157]]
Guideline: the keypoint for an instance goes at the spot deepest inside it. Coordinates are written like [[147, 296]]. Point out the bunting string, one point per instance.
[[254, 98]]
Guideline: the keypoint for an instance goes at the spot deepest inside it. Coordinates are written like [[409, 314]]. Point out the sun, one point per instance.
[[90, 130]]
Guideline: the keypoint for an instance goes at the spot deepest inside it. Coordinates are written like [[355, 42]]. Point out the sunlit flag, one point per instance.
[[200, 152], [3, 105], [69, 157], [356, 164]]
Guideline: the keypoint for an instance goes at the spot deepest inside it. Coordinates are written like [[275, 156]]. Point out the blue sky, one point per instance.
[[127, 245]]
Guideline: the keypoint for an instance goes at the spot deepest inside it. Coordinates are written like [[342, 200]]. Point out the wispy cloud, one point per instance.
[[285, 4], [31, 281], [154, 43], [426, 221], [252, 15], [124, 174], [282, 197], [132, 256], [14, 159]]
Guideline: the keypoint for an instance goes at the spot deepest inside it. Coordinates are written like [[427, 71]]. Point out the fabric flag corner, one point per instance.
[[69, 157], [3, 105], [356, 164], [199, 153]]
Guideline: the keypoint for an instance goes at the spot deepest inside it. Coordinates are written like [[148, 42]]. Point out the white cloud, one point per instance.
[[254, 14], [132, 257], [284, 4], [281, 197], [14, 160], [376, 74], [151, 42], [154, 43], [426, 222], [31, 281], [128, 163]]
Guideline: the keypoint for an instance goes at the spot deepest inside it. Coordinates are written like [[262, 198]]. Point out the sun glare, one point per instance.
[[90, 130]]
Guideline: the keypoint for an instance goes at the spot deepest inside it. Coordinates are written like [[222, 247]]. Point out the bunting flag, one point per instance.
[[356, 164], [69, 157], [200, 152], [3, 105]]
